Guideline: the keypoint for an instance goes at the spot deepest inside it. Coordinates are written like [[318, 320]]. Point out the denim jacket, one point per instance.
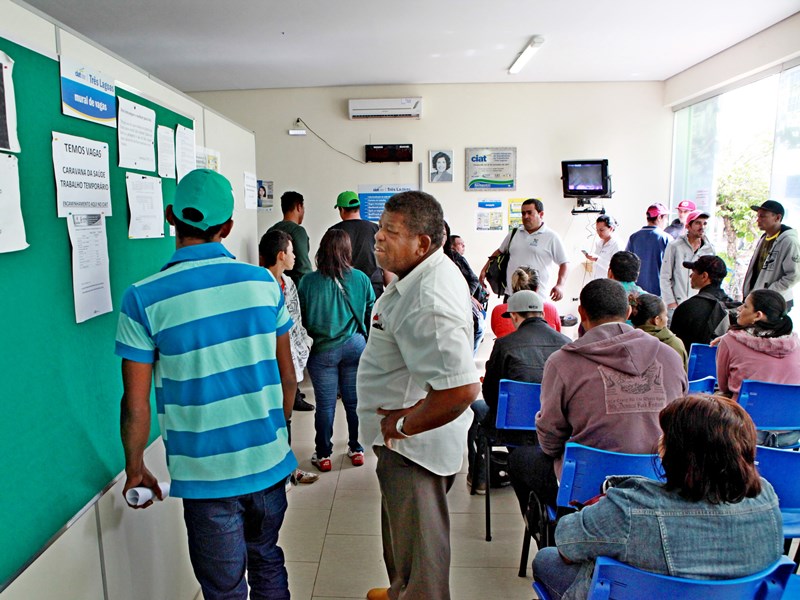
[[642, 524]]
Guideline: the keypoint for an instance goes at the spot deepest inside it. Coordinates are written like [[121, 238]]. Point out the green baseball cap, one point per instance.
[[347, 200], [207, 192]]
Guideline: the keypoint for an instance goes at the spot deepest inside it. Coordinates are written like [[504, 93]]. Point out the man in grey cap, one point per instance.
[[519, 356], [362, 240], [774, 263]]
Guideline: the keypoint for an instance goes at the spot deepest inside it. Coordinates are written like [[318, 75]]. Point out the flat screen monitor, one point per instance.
[[585, 178]]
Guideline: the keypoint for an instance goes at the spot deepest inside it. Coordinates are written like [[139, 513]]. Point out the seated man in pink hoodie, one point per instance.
[[604, 390]]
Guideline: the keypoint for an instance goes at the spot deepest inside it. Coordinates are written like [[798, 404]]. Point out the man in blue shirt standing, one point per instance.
[[214, 335], [649, 244]]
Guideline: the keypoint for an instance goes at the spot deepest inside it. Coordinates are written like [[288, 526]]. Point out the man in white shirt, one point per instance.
[[533, 245], [415, 380]]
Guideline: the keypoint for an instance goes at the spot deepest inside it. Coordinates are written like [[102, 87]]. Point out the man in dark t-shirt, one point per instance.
[[362, 239], [293, 208]]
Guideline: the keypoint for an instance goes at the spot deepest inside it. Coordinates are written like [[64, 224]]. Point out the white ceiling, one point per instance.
[[202, 45]]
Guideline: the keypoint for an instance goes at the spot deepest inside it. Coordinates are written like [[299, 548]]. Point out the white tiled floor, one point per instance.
[[332, 531]]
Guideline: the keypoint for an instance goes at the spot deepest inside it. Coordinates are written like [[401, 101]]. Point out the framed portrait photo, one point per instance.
[[441, 166]]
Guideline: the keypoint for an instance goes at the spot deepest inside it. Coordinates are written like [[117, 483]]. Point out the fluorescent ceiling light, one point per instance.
[[532, 48]]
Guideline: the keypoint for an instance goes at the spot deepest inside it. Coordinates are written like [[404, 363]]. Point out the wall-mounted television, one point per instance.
[[585, 178]]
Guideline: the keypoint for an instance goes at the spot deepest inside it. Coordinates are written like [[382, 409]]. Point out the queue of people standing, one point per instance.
[[387, 322]]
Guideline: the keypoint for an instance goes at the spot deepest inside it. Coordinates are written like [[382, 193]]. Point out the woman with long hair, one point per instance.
[[336, 301], [712, 518], [649, 313], [761, 346]]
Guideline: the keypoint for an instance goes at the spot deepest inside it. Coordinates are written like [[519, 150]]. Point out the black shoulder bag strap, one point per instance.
[[359, 320]]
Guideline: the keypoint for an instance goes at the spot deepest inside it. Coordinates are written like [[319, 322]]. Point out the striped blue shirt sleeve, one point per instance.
[[133, 331]]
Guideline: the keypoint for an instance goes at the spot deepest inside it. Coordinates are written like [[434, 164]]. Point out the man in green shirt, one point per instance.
[[292, 206]]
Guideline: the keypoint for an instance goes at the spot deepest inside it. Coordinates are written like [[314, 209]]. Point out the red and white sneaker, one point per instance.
[[357, 458], [323, 464]]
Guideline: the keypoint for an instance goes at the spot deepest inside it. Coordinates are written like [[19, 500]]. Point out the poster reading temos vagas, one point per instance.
[[87, 94], [491, 169], [83, 186]]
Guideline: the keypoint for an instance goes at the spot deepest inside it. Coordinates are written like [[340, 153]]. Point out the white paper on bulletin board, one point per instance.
[[12, 227]]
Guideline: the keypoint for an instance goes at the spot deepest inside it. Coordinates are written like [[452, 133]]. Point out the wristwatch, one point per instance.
[[399, 426]]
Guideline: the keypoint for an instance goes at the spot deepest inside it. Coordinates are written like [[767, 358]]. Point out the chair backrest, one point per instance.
[[771, 405], [703, 386], [702, 361], [585, 469], [614, 580], [517, 405], [781, 469]]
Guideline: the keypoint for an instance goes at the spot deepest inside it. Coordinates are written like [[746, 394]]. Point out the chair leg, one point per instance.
[[487, 453], [787, 550], [526, 548]]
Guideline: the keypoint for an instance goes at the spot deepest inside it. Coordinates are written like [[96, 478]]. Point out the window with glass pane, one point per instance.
[[734, 151]]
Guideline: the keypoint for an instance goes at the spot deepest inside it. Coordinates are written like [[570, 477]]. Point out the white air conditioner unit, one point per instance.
[[385, 108]]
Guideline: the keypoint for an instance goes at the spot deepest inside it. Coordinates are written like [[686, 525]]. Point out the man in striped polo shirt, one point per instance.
[[213, 333]]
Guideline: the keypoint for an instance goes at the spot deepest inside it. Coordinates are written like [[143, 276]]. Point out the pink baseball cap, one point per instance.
[[696, 214], [656, 210], [686, 205]]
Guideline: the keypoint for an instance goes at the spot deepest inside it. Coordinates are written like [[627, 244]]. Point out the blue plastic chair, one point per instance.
[[583, 474], [705, 385], [702, 361], [517, 405], [585, 469], [772, 406], [793, 587], [614, 580], [782, 469]]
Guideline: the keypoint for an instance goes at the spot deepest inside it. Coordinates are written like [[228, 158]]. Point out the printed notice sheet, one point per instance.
[[166, 152], [489, 215], [184, 150], [206, 158], [12, 229], [146, 205], [250, 190], [265, 197], [136, 129], [90, 281], [8, 106], [83, 185]]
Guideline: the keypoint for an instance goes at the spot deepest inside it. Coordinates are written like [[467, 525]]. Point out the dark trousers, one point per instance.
[[415, 526], [531, 470]]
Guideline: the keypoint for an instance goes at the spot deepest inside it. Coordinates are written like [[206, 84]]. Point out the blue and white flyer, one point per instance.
[[87, 94], [373, 197]]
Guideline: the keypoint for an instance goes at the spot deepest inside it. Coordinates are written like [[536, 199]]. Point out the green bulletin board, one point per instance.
[[60, 383]]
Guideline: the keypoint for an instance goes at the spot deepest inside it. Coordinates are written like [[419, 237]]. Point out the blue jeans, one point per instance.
[[552, 572], [228, 536], [331, 371]]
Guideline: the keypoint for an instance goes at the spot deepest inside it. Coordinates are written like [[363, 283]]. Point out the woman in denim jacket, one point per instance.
[[714, 518]]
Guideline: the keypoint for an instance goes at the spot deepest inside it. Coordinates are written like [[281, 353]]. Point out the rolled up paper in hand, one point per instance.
[[141, 495]]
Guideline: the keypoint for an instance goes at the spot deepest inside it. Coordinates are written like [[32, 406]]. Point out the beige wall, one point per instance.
[[767, 49], [547, 123]]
